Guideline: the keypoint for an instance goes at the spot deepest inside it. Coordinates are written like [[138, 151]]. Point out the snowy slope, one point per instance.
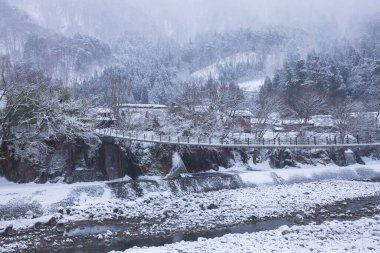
[[233, 60]]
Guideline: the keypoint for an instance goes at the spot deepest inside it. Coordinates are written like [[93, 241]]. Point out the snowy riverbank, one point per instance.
[[333, 236], [157, 210]]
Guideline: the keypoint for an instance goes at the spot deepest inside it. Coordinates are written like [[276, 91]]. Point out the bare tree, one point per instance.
[[342, 112], [35, 101], [268, 103], [191, 95], [307, 103], [373, 103], [5, 66]]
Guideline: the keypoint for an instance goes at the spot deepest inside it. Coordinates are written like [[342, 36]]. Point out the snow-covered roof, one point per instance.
[[101, 110], [290, 122], [143, 106], [243, 113], [260, 121], [322, 120], [202, 108]]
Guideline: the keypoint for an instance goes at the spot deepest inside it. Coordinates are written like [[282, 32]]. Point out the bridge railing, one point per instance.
[[324, 140]]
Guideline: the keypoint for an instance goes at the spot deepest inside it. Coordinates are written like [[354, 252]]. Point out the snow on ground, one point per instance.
[[229, 207], [280, 192], [333, 236], [45, 200], [190, 210], [264, 175]]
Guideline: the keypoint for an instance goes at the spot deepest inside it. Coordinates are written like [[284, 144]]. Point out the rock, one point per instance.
[[37, 225], [168, 213], [284, 230], [253, 218], [60, 226], [9, 231], [203, 159], [212, 206], [29, 215], [52, 222], [280, 158], [298, 219]]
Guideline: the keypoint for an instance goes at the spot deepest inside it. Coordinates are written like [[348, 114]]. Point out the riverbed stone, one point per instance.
[[284, 230], [298, 219]]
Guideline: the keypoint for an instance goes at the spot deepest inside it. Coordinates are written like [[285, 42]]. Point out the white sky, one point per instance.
[[184, 18]]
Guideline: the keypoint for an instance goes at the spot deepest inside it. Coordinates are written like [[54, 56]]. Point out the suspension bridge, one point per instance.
[[311, 142]]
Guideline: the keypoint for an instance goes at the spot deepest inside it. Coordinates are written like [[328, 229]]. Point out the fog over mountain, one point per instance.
[[185, 18], [153, 49]]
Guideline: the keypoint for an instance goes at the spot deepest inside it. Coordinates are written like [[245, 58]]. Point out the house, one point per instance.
[[148, 115], [244, 117], [102, 117]]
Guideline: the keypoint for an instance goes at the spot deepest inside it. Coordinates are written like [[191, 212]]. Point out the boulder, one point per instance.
[[284, 230], [281, 158], [8, 231], [298, 219]]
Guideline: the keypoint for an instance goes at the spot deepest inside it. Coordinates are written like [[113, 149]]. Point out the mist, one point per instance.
[[186, 18]]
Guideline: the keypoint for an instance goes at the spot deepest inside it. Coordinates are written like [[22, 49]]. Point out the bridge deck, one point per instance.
[[236, 143]]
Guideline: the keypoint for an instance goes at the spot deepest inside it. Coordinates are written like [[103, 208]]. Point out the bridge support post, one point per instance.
[[160, 137], [198, 140], [296, 141], [178, 139], [335, 139], [308, 141], [209, 140], [169, 138], [279, 141], [347, 140], [188, 139], [357, 139], [315, 140], [263, 141], [248, 142]]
